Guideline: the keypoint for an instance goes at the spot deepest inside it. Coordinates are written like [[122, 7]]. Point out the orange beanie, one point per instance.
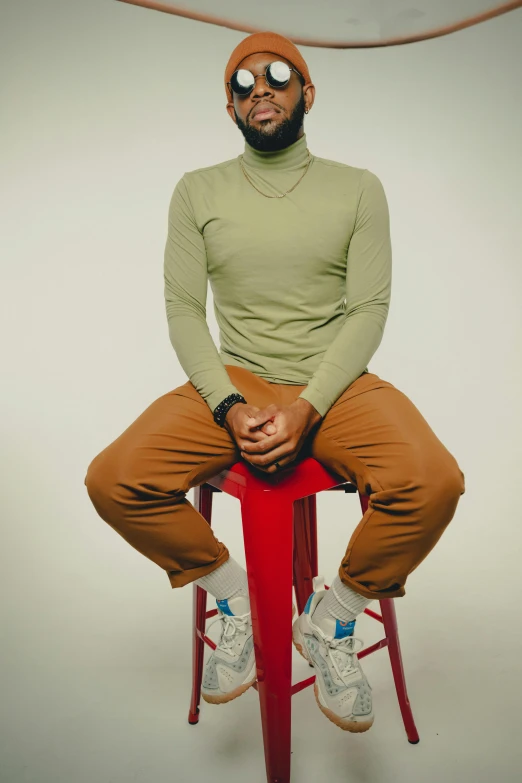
[[265, 42]]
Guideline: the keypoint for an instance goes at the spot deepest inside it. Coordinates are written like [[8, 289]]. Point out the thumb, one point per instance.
[[253, 417], [257, 418]]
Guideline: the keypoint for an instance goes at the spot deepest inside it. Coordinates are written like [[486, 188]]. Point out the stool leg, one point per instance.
[[305, 549], [392, 634], [389, 619], [268, 537], [203, 504]]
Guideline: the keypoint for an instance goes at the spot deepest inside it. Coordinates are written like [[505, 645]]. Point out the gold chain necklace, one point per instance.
[[282, 194]]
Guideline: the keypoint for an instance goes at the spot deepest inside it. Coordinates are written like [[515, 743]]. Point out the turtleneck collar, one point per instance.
[[288, 158]]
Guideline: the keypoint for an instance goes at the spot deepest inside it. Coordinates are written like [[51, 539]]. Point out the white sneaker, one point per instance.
[[231, 669], [341, 688]]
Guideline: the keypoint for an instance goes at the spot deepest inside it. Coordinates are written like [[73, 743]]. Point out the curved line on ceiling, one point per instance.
[[325, 43]]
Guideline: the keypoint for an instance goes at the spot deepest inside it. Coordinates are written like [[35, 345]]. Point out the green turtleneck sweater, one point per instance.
[[301, 284]]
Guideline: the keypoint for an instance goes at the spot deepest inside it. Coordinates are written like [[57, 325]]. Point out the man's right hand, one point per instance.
[[236, 422]]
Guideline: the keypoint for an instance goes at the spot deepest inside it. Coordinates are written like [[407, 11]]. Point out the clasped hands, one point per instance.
[[272, 434]]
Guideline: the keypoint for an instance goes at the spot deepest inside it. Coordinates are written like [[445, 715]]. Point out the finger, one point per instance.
[[260, 434], [264, 445], [262, 416], [265, 460], [252, 436], [264, 429], [257, 423]]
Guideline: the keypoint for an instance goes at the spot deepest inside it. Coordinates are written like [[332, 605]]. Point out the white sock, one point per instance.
[[227, 581], [340, 602]]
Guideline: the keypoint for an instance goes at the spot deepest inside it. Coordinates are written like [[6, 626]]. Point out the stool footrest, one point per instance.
[[206, 639]]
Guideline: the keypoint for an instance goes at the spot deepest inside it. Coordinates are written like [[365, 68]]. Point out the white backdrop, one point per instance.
[[105, 106]]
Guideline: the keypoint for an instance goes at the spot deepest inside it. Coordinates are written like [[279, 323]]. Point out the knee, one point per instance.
[[109, 489], [112, 488], [449, 482], [455, 482], [110, 484], [97, 480], [123, 479]]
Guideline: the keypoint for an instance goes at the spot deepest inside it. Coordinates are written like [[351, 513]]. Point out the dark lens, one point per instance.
[[278, 74], [242, 81]]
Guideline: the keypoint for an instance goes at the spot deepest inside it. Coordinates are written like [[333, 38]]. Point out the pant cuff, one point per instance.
[[182, 578], [375, 594]]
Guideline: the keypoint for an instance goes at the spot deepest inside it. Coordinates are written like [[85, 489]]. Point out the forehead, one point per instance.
[[261, 60]]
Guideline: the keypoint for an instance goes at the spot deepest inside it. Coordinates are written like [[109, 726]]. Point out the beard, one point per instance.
[[275, 134]]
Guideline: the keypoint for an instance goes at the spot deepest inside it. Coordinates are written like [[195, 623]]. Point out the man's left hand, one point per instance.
[[292, 423]]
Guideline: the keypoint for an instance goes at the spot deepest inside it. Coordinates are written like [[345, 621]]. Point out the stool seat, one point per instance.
[[305, 478], [279, 519]]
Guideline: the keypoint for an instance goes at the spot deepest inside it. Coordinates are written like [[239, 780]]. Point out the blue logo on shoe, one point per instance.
[[343, 628], [223, 605], [307, 607]]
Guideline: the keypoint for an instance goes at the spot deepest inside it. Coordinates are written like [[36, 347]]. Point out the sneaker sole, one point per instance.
[[354, 726], [223, 698]]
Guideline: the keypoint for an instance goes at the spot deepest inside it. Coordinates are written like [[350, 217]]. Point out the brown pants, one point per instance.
[[373, 436]]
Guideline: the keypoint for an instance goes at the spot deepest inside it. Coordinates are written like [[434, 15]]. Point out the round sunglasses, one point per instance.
[[277, 74]]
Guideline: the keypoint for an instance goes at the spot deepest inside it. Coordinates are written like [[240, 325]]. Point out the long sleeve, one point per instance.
[[185, 273], [368, 291]]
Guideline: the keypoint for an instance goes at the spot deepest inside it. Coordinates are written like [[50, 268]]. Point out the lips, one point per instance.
[[264, 111]]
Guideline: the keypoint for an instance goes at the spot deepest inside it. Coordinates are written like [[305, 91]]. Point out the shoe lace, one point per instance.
[[231, 625], [343, 654]]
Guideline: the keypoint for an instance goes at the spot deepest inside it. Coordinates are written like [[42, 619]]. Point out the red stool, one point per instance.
[[280, 537]]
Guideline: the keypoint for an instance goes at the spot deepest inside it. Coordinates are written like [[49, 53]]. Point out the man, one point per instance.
[[297, 250]]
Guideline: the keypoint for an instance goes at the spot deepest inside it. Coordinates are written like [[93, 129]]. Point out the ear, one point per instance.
[[231, 112], [309, 92]]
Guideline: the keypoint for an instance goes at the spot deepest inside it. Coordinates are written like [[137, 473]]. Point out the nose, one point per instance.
[[260, 88]]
